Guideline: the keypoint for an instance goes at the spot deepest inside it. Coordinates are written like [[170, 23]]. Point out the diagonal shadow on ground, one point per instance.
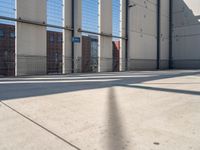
[[23, 90], [177, 91]]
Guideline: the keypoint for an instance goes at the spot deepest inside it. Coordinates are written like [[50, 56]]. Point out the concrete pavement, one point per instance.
[[105, 111]]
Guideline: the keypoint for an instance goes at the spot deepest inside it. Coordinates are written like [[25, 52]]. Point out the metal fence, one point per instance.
[[7, 65]]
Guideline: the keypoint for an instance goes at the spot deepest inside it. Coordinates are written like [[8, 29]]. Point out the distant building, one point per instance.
[[89, 53], [7, 50], [54, 52], [116, 55]]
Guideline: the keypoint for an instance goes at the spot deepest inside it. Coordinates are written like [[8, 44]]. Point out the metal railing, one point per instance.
[[7, 66], [42, 65]]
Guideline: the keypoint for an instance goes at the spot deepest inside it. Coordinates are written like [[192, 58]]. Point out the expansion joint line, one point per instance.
[[39, 125]]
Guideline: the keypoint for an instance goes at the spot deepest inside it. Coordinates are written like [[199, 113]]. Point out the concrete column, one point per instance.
[[105, 42], [164, 34], [31, 39], [67, 37], [122, 34], [77, 26]]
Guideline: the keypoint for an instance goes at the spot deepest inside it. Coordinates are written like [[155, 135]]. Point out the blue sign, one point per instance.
[[76, 39]]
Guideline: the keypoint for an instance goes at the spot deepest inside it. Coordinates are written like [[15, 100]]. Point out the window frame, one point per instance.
[[2, 33]]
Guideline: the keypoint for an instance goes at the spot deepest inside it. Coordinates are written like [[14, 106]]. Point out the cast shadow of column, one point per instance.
[[115, 133]]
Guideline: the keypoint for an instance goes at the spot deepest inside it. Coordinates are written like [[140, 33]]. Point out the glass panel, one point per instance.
[[116, 17], [116, 32], [7, 38], [54, 36], [90, 22], [90, 19]]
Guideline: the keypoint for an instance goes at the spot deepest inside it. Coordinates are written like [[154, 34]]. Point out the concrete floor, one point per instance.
[[105, 111]]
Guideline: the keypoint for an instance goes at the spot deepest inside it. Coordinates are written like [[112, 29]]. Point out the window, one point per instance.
[[60, 38], [55, 14], [12, 34], [1, 33], [116, 5], [90, 15], [51, 38]]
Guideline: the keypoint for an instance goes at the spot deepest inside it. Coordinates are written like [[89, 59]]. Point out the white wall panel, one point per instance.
[[144, 46], [142, 34], [105, 42], [31, 39]]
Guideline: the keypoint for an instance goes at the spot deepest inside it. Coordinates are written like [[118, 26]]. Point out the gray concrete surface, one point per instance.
[[107, 111], [186, 34]]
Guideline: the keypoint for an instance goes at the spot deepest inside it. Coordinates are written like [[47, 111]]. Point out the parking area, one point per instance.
[[141, 110]]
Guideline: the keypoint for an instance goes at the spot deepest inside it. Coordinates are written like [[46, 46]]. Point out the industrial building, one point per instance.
[[99, 74], [71, 36]]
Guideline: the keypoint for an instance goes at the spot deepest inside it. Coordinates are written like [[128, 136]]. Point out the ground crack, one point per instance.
[[49, 131]]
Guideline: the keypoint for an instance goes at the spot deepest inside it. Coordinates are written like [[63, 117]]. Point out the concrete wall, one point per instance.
[[186, 34], [143, 34], [106, 42], [31, 39]]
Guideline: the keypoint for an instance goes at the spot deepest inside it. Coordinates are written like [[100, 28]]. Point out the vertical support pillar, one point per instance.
[[164, 34], [123, 34], [105, 41], [170, 34], [67, 36], [31, 39], [77, 25], [127, 35], [158, 34]]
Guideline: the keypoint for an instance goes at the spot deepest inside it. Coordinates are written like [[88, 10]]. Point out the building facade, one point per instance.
[[7, 51], [153, 34]]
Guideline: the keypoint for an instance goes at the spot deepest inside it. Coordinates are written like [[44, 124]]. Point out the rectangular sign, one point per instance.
[[76, 39]]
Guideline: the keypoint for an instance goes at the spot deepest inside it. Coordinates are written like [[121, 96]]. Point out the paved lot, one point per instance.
[[107, 111]]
